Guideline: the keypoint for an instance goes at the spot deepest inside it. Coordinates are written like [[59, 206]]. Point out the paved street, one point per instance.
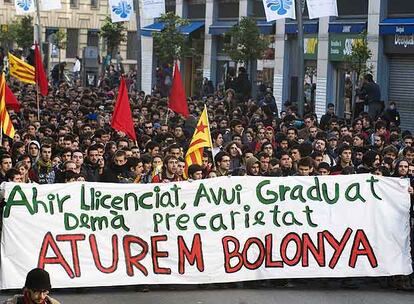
[[187, 295]]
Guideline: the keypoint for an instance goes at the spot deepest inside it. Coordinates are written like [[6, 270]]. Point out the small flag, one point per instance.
[[122, 116], [121, 10], [49, 5], [24, 6], [201, 139], [322, 8], [6, 124], [279, 9], [11, 100], [41, 78], [177, 99], [21, 70]]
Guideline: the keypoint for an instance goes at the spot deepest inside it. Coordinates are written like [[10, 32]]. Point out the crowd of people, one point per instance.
[[70, 138]]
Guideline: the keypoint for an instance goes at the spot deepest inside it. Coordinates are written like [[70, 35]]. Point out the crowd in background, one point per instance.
[[70, 138]]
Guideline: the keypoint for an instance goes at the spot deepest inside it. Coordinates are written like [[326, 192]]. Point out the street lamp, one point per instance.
[[300, 4]]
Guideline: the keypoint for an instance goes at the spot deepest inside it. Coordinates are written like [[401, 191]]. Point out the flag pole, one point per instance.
[[166, 116], [38, 37], [138, 84], [208, 125], [300, 59], [38, 102]]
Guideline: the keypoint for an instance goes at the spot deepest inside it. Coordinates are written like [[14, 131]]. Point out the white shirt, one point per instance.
[[77, 66]]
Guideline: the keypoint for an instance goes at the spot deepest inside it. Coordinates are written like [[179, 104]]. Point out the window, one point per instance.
[[50, 36], [93, 38], [72, 38], [74, 3], [228, 9], [222, 41], [7, 1], [352, 8], [258, 10], [170, 6], [94, 3], [196, 11], [132, 45], [400, 8]]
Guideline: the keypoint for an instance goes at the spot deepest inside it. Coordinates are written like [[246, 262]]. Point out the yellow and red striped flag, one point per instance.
[[6, 123], [21, 70], [201, 139]]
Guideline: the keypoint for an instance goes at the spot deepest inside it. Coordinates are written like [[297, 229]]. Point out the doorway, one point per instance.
[[343, 95]]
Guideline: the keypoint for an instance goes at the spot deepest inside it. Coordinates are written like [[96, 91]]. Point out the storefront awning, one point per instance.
[[221, 27], [159, 26], [400, 26], [347, 27], [191, 27], [308, 28], [149, 29], [266, 28]]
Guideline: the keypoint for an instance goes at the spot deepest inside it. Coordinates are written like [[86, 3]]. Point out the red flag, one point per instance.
[[11, 100], [122, 116], [41, 78], [178, 100]]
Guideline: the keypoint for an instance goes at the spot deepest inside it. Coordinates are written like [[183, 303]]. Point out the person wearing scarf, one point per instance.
[[36, 289]]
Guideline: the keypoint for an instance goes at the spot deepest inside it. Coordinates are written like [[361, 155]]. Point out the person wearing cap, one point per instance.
[[36, 289]]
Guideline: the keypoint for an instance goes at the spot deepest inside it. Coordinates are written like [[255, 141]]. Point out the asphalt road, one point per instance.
[[301, 293]]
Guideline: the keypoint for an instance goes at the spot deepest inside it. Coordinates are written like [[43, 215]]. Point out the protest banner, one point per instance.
[[216, 230]]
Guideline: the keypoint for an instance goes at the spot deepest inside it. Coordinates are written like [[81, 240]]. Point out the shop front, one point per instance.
[[398, 37], [342, 37]]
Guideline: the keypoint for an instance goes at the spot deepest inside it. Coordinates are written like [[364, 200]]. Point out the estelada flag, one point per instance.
[[201, 139], [6, 123], [11, 100], [122, 116], [41, 78], [177, 100], [21, 70]]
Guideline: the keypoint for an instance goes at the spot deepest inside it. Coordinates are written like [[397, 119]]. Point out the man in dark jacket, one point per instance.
[[392, 115], [242, 85], [90, 165], [371, 93], [330, 113], [118, 171]]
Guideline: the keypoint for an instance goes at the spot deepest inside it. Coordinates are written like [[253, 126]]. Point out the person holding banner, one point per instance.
[[36, 289]]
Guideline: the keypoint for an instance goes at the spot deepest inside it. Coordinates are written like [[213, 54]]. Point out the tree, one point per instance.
[[114, 33], [358, 60], [170, 44], [359, 56], [6, 38], [20, 30], [59, 40], [246, 45]]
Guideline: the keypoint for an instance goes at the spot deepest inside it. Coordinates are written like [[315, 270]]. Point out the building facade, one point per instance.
[[389, 25]]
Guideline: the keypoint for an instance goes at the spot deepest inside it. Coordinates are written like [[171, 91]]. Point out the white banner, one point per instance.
[[24, 6], [153, 8], [121, 10], [322, 8], [279, 9], [48, 5], [215, 230]]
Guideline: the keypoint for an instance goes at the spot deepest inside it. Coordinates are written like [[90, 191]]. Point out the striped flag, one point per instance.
[[6, 124], [201, 139], [21, 70]]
